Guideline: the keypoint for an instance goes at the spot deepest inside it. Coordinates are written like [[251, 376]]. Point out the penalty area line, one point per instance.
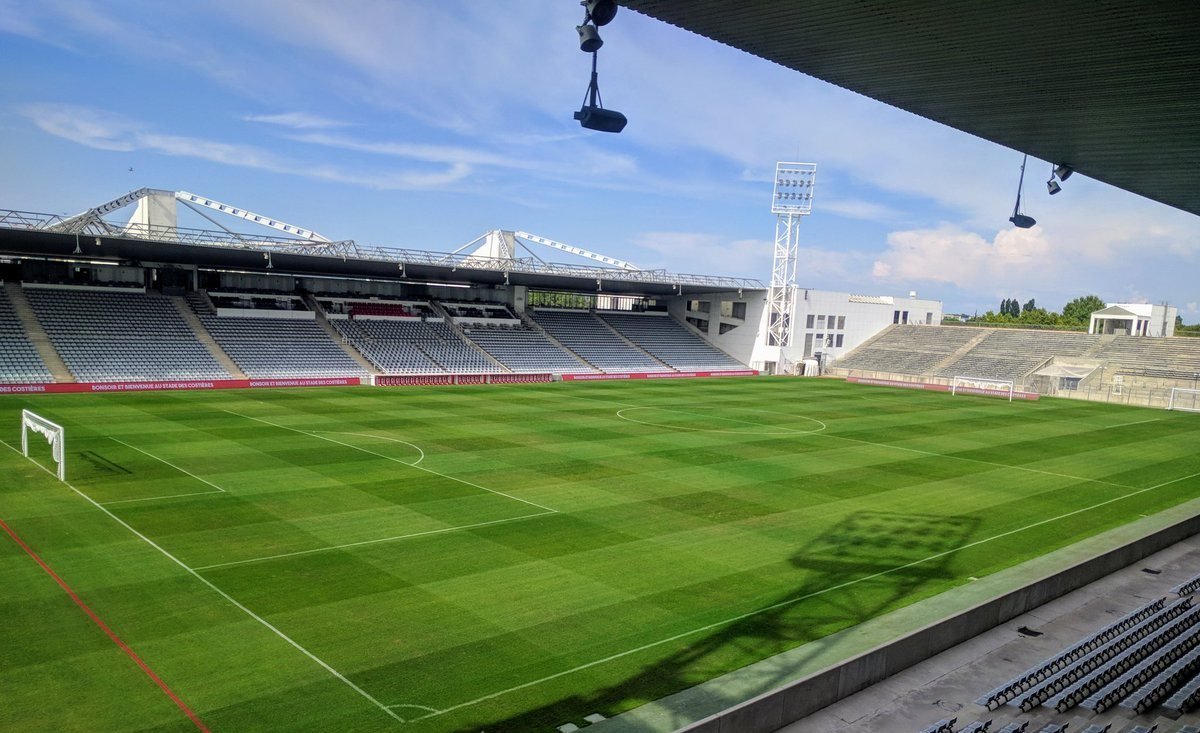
[[233, 601], [393, 460], [396, 538], [218, 489], [798, 599]]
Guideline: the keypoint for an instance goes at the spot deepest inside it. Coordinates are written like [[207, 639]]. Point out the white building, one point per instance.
[[826, 325], [1134, 319]]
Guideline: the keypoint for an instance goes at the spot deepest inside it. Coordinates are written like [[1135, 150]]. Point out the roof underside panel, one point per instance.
[[1113, 89]]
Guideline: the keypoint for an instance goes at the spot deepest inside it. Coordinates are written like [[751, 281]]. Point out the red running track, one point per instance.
[[109, 632]]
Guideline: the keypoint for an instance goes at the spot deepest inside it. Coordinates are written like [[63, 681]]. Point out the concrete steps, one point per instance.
[[458, 331], [537, 327], [635, 347], [959, 352], [205, 338], [338, 338], [36, 335]]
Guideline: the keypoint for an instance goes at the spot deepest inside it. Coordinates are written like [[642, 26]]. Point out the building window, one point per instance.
[[820, 321], [904, 317], [928, 319], [810, 320], [808, 339], [739, 310], [841, 323], [896, 317], [839, 340]]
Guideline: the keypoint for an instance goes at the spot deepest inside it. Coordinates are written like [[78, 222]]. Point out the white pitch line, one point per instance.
[[330, 548], [1127, 424], [394, 460], [798, 599], [191, 571], [219, 490], [414, 446]]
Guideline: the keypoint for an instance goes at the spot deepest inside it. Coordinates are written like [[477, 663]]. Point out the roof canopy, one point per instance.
[[1113, 89]]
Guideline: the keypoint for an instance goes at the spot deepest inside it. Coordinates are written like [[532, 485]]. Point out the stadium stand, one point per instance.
[[583, 333], [1011, 354], [266, 347], [19, 360], [909, 349], [1187, 587], [413, 347], [522, 349], [121, 334], [669, 342]]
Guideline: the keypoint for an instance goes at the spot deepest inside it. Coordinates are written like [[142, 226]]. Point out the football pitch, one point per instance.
[[512, 558]]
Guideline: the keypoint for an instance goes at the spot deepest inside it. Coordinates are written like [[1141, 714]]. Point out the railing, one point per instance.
[[33, 221]]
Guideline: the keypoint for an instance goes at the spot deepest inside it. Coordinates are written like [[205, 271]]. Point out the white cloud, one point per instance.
[[296, 120], [105, 130], [859, 209], [952, 255]]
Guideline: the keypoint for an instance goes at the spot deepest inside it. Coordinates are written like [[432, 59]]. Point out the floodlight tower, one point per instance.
[[792, 200]]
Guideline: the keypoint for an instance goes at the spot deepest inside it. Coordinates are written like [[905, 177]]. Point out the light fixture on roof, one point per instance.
[[1062, 171], [592, 114], [1019, 219]]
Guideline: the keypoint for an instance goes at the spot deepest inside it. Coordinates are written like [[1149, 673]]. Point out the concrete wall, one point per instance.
[[773, 710]]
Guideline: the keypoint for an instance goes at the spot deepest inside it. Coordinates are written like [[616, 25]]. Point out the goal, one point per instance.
[[54, 434], [982, 386], [1184, 399]]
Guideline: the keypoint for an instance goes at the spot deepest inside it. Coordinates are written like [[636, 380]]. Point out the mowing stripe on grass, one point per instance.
[[191, 571], [219, 490], [832, 436], [395, 460], [183, 706], [372, 542], [798, 599], [779, 429]]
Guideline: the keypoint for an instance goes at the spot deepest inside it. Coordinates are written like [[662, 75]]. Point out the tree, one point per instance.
[[1028, 306], [1081, 309], [1178, 321]]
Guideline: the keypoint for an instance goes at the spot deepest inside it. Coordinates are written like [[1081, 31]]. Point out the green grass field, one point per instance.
[[515, 558]]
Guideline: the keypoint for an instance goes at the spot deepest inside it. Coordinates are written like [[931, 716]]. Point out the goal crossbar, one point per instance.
[[55, 435], [982, 386], [1182, 398]]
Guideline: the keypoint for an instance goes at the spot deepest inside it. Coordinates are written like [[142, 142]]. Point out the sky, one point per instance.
[[423, 125]]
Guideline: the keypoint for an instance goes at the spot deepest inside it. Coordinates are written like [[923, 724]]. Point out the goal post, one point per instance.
[[54, 434], [1182, 398], [982, 386]]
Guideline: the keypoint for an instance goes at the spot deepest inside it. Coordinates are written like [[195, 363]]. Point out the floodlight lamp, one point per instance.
[[1053, 187], [1063, 171], [600, 119], [1022, 221], [589, 38], [600, 12]]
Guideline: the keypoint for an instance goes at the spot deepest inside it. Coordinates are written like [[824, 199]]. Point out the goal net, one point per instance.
[[1184, 399], [54, 434], [982, 386]]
